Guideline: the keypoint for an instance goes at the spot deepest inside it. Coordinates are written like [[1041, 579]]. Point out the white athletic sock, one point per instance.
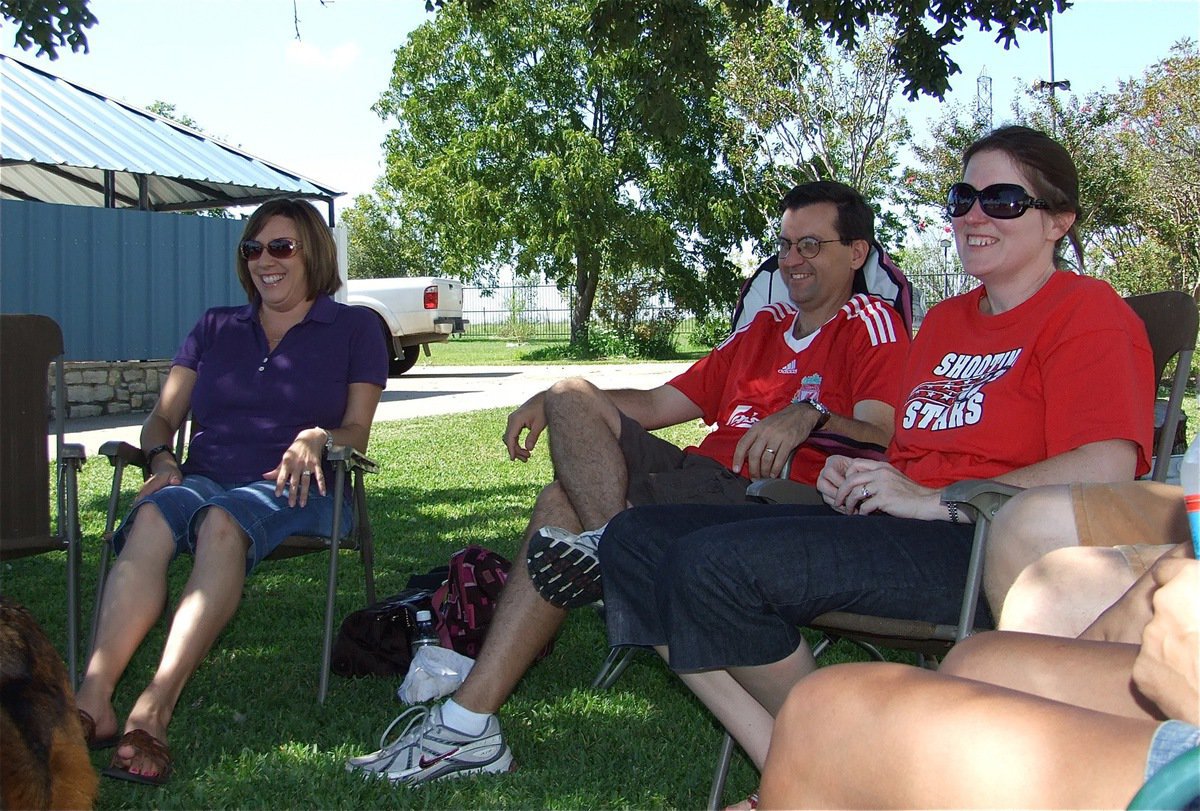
[[466, 721]]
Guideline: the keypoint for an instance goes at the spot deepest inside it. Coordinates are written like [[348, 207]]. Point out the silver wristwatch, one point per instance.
[[328, 440]]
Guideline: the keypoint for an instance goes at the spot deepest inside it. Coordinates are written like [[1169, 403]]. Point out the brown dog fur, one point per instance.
[[44, 760]]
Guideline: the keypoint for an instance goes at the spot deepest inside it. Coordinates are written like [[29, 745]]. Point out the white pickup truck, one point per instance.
[[413, 311]]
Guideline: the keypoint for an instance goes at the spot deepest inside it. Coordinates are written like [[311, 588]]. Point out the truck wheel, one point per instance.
[[398, 366]]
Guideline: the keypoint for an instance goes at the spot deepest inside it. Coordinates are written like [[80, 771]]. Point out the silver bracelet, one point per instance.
[[952, 508]]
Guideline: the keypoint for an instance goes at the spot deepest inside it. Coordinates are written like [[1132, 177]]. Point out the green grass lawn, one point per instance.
[[248, 732]]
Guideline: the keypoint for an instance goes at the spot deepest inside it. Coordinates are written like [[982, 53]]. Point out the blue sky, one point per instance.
[[236, 67]]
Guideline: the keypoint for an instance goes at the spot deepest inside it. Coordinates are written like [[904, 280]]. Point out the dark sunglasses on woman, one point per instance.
[[1002, 201], [281, 248]]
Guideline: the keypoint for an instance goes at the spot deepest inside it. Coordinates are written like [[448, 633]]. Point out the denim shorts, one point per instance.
[[1171, 739], [265, 518]]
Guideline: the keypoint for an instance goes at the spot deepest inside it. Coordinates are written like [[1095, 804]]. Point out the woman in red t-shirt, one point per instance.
[[1038, 376]]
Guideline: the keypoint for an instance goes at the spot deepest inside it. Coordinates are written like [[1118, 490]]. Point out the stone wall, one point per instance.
[[120, 387]]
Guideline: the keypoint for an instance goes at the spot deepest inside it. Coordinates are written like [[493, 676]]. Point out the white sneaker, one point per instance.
[[428, 750], [565, 567]]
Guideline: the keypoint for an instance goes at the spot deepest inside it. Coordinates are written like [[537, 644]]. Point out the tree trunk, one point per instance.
[[587, 276]]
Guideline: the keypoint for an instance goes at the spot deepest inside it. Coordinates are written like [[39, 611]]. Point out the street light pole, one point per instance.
[[1052, 85], [946, 243]]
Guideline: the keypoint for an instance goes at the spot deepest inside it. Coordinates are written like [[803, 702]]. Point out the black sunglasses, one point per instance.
[[281, 248], [1003, 201]]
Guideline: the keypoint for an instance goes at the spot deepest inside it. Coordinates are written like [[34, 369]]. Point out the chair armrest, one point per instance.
[[983, 496], [73, 450], [781, 491], [353, 459], [130, 454]]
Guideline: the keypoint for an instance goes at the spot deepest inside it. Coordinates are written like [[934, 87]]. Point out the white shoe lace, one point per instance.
[[417, 715]]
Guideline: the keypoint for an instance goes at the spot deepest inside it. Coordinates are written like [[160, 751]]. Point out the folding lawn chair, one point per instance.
[[349, 465], [879, 276], [29, 344]]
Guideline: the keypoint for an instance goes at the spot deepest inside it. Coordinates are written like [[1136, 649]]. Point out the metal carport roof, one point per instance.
[[63, 143]]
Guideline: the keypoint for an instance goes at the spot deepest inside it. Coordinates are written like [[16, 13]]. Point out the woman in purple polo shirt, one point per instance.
[[270, 385]]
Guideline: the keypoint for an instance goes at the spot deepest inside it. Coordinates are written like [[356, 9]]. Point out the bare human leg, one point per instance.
[[1033, 523], [1084, 673], [134, 598], [524, 621], [585, 430], [1068, 590], [770, 684], [208, 601], [888, 735], [590, 488], [738, 711]]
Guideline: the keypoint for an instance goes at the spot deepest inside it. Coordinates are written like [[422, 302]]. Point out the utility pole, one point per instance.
[[946, 243], [1052, 85]]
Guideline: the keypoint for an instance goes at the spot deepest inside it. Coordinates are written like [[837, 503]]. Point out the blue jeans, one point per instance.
[[265, 518], [727, 586]]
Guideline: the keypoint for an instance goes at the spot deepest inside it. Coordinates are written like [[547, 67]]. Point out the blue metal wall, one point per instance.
[[124, 284]]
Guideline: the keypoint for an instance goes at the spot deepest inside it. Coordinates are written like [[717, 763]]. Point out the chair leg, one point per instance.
[[331, 591], [70, 518], [101, 582], [110, 523], [870, 650], [614, 665], [724, 756], [366, 537]]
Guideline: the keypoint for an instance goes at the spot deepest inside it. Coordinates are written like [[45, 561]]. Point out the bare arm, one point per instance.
[[765, 447], [1110, 460], [866, 486], [160, 427], [657, 407], [305, 452]]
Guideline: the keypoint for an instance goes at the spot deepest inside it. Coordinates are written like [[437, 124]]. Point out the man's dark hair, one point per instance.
[[855, 219]]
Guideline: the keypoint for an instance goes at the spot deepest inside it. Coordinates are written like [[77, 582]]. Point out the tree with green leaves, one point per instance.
[[1158, 142], [375, 250], [678, 33], [518, 146], [49, 24], [1136, 151], [802, 109]]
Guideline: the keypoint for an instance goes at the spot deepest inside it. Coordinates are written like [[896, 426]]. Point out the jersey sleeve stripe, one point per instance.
[[876, 315]]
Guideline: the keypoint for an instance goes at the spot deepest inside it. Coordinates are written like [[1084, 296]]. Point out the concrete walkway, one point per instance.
[[428, 391]]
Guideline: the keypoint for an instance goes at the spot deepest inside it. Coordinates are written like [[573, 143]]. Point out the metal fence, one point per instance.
[[540, 311], [533, 311]]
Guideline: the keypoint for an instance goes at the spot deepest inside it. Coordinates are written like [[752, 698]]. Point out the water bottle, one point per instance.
[[1189, 477], [425, 633]]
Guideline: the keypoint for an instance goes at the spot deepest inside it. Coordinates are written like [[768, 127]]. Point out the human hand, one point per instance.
[[830, 479], [865, 486], [164, 475], [300, 465], [763, 450], [1167, 668], [530, 416]]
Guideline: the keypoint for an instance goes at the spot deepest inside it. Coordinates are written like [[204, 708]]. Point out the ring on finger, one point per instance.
[[866, 492], [306, 473], [770, 450]]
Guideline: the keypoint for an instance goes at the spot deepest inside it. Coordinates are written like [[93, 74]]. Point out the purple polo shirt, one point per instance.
[[249, 403]]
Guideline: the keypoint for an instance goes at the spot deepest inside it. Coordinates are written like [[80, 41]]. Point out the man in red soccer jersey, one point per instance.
[[829, 360]]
